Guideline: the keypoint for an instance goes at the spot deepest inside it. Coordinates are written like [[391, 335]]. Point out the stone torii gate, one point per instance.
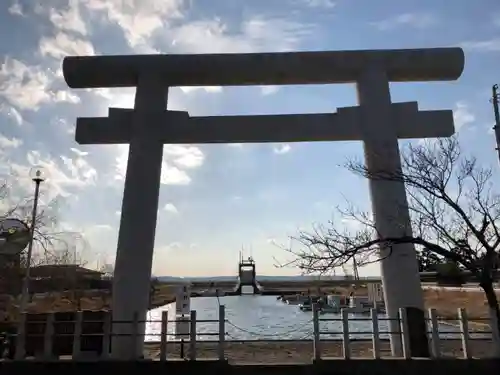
[[377, 122]]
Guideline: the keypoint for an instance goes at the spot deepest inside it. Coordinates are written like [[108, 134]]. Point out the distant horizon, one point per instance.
[[324, 277]]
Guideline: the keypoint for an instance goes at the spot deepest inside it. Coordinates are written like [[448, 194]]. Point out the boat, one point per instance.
[[297, 299], [306, 305], [334, 304], [353, 305], [363, 305]]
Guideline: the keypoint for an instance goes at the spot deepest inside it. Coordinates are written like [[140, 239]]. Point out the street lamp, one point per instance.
[[37, 175], [495, 99]]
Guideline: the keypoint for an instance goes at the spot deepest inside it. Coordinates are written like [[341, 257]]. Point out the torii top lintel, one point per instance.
[[284, 68]]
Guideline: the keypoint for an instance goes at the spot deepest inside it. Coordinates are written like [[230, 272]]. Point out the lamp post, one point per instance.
[[37, 176], [495, 99]]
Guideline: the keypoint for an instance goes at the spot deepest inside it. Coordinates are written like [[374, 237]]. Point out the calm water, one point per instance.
[[262, 317]]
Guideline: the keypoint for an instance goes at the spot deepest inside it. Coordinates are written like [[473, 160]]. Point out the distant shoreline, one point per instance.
[[259, 277]]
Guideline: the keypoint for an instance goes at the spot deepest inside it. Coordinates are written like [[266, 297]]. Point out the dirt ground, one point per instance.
[[447, 302], [302, 351]]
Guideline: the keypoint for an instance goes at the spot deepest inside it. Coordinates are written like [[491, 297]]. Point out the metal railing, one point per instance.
[[433, 333], [76, 334]]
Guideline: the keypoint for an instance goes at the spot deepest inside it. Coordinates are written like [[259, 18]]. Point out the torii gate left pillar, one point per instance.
[[148, 126], [134, 256]]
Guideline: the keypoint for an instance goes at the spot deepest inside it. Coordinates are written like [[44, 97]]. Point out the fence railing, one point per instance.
[[433, 333], [52, 339]]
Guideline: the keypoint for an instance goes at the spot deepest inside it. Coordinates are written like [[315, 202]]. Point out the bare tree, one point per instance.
[[48, 239], [51, 246], [454, 212]]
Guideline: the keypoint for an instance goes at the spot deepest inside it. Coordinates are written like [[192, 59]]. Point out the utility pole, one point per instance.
[[495, 99]]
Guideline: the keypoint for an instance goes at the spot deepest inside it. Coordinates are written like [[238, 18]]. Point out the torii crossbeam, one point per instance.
[[177, 127], [377, 122]]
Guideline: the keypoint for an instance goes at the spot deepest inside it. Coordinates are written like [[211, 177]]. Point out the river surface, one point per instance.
[[253, 317]]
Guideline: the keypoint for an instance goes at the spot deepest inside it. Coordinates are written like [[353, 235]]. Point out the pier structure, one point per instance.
[[376, 121], [247, 276]]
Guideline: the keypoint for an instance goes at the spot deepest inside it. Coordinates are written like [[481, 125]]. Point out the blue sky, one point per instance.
[[216, 199]]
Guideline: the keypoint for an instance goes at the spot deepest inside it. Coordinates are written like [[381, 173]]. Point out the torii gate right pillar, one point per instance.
[[399, 271]]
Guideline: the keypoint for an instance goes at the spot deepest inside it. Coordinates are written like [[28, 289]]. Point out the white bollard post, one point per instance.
[[77, 335], [21, 337], [346, 341], [106, 334], [316, 335], [192, 336], [376, 333], [405, 333], [48, 337], [222, 332], [163, 338], [435, 344], [464, 332]]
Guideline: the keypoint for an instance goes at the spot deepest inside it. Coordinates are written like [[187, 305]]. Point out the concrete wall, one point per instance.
[[371, 367]]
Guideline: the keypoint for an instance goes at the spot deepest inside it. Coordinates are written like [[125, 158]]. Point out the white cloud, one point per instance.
[[63, 44], [66, 96], [170, 246], [491, 45], [212, 89], [255, 34], [319, 3], [16, 9], [415, 20], [65, 175], [141, 20], [9, 142], [281, 148], [13, 113], [138, 19], [79, 152], [169, 207], [184, 156], [98, 242], [28, 87], [462, 115], [63, 126], [176, 159], [25, 87], [171, 175], [68, 19]]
